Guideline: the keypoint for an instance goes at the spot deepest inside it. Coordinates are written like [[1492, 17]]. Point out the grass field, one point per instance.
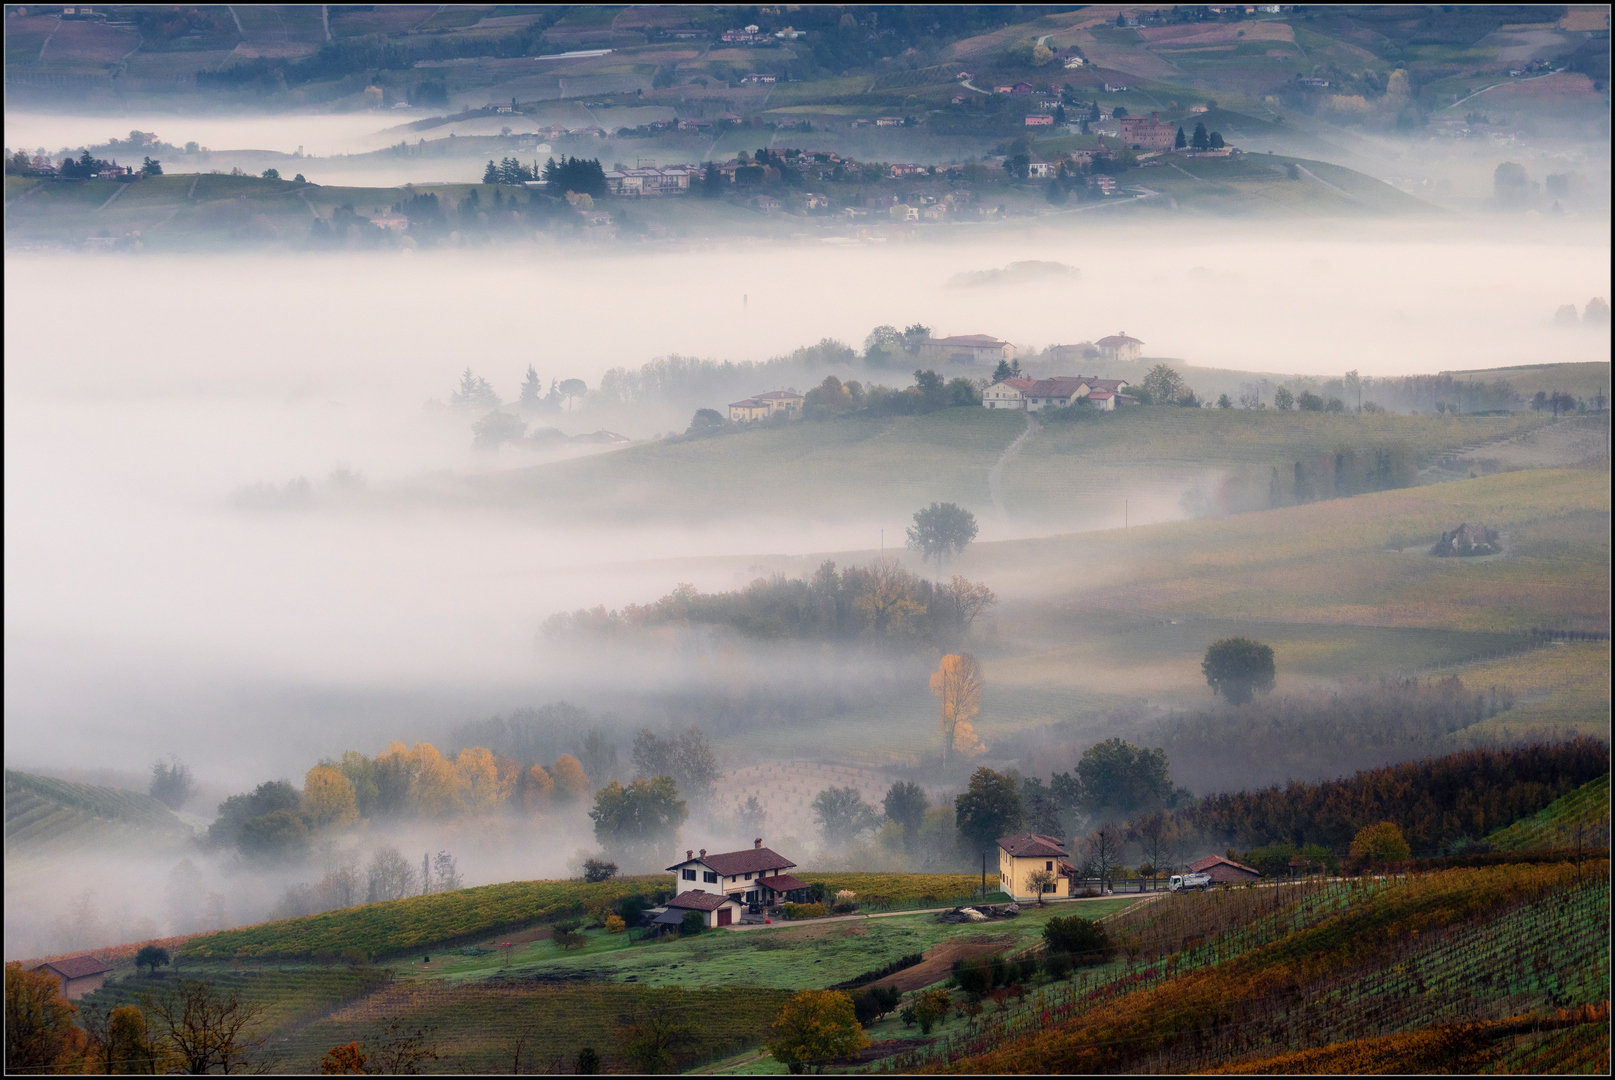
[[811, 955]]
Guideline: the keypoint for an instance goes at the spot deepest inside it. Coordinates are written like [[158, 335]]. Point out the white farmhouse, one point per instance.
[[753, 877]]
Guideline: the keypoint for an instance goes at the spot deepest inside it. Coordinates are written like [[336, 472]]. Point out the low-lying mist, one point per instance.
[[149, 612]]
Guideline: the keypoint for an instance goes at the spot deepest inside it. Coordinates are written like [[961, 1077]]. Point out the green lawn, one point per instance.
[[809, 955]]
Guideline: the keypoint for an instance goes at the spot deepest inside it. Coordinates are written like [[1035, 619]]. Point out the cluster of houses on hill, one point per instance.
[[1016, 392]]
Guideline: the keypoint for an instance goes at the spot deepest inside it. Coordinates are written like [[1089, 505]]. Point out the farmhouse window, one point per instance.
[[689, 875], [748, 877], [1048, 866], [710, 877]]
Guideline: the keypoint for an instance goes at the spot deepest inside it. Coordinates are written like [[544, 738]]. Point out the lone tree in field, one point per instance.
[[941, 530], [988, 809], [640, 819], [171, 783], [1238, 667], [152, 956], [813, 1027]]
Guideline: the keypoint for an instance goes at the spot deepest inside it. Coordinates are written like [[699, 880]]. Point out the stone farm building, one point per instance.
[[1024, 854], [1224, 871], [966, 349], [762, 406], [753, 877], [78, 974], [673, 180]]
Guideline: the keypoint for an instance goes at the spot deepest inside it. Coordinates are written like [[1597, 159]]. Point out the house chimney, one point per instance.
[[689, 853], [757, 843], [703, 853]]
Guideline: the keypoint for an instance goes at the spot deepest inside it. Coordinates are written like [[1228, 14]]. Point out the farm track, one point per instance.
[[995, 475]]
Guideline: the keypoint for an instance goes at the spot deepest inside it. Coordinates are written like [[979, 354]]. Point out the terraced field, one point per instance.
[[43, 813]]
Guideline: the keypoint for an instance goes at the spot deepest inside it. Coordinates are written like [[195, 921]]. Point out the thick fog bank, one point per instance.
[[148, 612]]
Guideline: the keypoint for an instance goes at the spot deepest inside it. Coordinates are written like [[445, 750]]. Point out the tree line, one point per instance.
[[880, 601]]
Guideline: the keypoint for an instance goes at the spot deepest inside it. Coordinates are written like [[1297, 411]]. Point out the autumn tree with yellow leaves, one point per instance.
[[957, 681], [329, 798]]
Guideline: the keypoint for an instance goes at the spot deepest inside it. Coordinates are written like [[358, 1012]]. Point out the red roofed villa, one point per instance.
[[753, 878]]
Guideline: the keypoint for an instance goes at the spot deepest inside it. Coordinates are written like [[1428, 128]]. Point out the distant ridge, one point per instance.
[[45, 812]]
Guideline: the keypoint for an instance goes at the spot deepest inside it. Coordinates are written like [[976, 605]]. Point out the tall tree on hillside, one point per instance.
[[1238, 668], [532, 389], [958, 683], [1181, 141], [1001, 372], [842, 815], [490, 175], [941, 530], [1201, 140], [171, 783], [988, 809], [1119, 779], [636, 822], [906, 804], [1163, 385]]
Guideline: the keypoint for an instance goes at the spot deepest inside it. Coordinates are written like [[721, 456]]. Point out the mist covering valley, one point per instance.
[[257, 525]]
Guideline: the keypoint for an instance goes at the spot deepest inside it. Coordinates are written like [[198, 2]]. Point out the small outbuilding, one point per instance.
[[715, 910], [79, 975], [1224, 871]]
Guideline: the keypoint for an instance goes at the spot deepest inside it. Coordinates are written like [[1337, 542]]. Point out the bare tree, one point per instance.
[[391, 876], [206, 1030], [968, 600], [1103, 848], [1158, 835], [400, 1051]]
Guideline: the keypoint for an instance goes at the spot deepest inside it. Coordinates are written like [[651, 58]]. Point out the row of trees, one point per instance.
[[881, 601], [277, 821], [475, 392]]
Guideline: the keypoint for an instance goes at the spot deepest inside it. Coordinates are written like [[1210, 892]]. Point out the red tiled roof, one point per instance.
[[76, 967], [1112, 385], [781, 883], [1061, 386], [1032, 846], [747, 861], [1200, 866], [1103, 395], [699, 901], [776, 394]]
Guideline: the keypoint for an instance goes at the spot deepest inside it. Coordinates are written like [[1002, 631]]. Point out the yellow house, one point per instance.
[[1022, 855], [763, 406]]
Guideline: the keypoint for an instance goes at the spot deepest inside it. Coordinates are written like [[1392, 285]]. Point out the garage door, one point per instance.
[[724, 916]]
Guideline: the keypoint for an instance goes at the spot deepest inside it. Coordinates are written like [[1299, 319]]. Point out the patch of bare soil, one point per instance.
[[939, 960], [875, 1051]]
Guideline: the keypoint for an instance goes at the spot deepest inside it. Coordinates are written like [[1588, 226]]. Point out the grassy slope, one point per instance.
[[46, 814], [853, 466], [790, 957]]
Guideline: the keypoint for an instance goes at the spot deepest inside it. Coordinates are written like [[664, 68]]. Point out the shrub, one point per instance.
[[1057, 965], [692, 923], [1083, 940], [615, 924], [932, 1007], [803, 911]]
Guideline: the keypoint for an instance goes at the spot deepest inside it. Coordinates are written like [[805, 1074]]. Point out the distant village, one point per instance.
[[1006, 389]]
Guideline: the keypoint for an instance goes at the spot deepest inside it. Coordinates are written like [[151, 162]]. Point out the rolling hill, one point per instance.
[[46, 815]]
